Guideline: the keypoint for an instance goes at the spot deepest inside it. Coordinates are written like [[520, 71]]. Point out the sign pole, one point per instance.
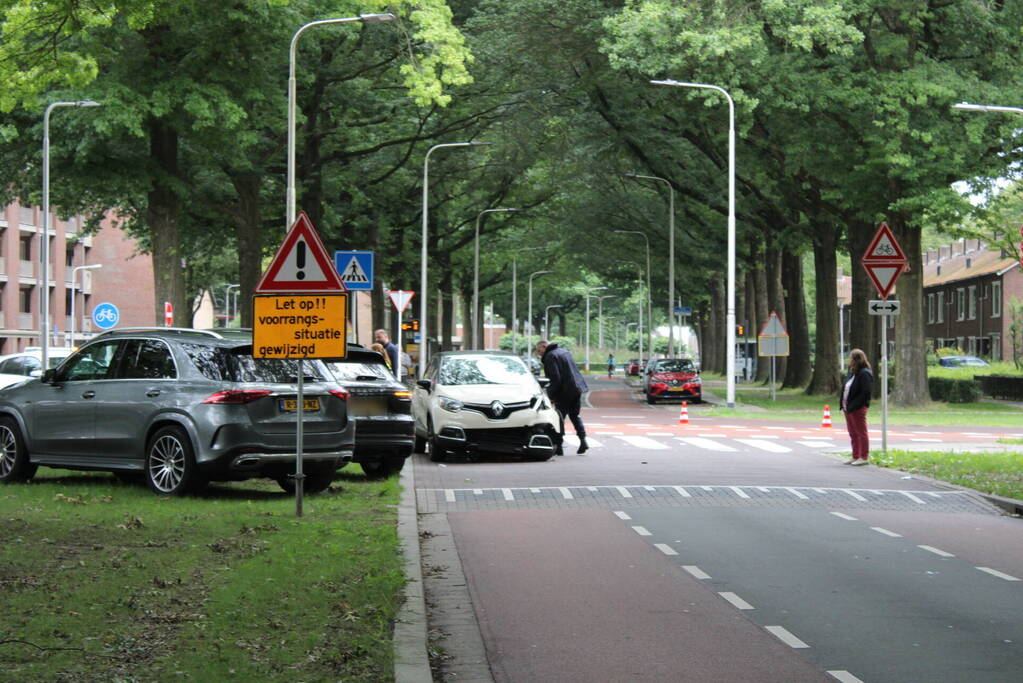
[[772, 377], [299, 474], [397, 367], [884, 384]]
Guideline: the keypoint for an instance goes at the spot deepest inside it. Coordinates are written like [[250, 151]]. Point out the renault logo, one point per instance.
[[497, 409]]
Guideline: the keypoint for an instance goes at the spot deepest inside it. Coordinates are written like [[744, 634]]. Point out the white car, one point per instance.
[[472, 401], [17, 367]]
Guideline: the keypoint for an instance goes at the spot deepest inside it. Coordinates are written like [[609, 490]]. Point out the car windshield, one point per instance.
[[675, 365], [360, 372], [237, 365], [483, 370]]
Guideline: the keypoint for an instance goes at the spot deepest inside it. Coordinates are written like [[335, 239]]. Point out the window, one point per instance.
[[940, 317], [25, 247], [960, 305], [972, 302], [996, 300], [930, 308], [25, 299], [148, 359], [69, 256], [68, 294], [93, 362]]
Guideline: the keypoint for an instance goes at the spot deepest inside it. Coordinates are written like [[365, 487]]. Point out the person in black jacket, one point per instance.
[[565, 390], [854, 400]]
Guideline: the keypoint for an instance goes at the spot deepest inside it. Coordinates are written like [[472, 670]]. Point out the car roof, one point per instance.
[[210, 337], [446, 354]]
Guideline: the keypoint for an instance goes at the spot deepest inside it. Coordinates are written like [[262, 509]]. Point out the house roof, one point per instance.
[[981, 262]]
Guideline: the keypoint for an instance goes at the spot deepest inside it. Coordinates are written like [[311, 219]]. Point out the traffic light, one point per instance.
[[740, 330], [410, 325]]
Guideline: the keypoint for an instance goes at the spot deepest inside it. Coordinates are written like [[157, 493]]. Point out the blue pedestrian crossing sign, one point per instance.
[[355, 269], [105, 316]]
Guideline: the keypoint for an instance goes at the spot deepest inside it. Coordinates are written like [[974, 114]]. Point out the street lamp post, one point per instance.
[[600, 319], [586, 293], [649, 304], [547, 320], [966, 106], [44, 256], [730, 313], [227, 304], [671, 255], [424, 346], [74, 275], [515, 301], [476, 276], [639, 328], [627, 326], [364, 18], [528, 327]]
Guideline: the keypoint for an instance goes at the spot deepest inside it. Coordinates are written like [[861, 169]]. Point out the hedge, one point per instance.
[[953, 390], [1002, 386]]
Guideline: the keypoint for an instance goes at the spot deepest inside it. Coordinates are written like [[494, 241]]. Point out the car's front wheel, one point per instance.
[[170, 463], [14, 461]]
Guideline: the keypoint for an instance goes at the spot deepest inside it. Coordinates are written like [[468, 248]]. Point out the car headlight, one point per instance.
[[449, 404]]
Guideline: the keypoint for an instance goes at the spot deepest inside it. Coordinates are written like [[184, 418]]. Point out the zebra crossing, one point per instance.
[[661, 441]]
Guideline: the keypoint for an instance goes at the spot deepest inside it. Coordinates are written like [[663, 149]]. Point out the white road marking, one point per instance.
[[602, 433], [844, 676], [925, 432], [707, 488], [768, 446], [739, 492], [682, 492], [737, 602], [995, 572], [936, 551], [928, 440], [659, 434], [705, 444], [621, 515], [477, 492], [842, 515], [696, 572], [734, 427], [591, 488], [622, 417], [573, 441], [817, 444], [785, 636], [665, 548], [449, 495], [650, 488], [768, 436], [764, 489], [785, 429], [566, 493], [624, 492], [508, 494], [876, 492], [829, 438], [534, 490], [913, 498], [637, 424], [643, 442], [881, 530], [641, 530], [855, 495], [711, 436], [797, 494], [820, 490], [932, 494]]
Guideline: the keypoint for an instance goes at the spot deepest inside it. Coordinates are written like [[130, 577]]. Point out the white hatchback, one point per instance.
[[17, 367], [483, 401]]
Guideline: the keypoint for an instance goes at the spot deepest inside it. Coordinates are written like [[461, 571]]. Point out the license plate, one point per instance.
[[369, 406], [677, 389], [290, 405]]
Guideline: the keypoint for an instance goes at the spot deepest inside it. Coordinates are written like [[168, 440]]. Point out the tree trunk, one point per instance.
[[826, 379], [716, 340], [248, 231], [863, 330], [162, 216], [797, 369], [910, 351]]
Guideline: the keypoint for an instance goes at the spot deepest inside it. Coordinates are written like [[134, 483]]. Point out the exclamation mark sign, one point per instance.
[[300, 259]]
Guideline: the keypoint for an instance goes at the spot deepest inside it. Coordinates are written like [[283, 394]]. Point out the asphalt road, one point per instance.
[[716, 552]]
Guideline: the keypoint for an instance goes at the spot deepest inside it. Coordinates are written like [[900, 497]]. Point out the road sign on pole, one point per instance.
[[401, 300], [773, 341], [355, 269], [883, 307], [168, 314], [884, 260], [301, 264], [105, 316]]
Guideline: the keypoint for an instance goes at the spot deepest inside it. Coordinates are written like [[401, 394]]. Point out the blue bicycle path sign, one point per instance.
[[105, 316]]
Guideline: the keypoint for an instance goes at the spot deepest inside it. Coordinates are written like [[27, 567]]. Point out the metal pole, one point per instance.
[[884, 384], [841, 334], [397, 368], [74, 275], [730, 315], [529, 320], [547, 320], [515, 308], [772, 378], [587, 331]]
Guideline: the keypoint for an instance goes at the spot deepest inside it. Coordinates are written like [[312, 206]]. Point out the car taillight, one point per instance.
[[403, 394], [237, 396], [340, 393]]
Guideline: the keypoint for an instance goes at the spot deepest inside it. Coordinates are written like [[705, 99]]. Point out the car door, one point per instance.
[[421, 398], [144, 381], [64, 416]]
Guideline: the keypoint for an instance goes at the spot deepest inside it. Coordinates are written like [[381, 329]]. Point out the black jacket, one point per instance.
[[566, 381], [859, 392]]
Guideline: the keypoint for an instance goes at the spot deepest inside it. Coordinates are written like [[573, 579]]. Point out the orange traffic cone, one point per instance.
[[683, 414], [826, 422]]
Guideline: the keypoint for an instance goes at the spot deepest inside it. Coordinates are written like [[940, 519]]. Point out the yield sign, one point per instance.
[[884, 276], [400, 299], [301, 264], [884, 247], [773, 327]]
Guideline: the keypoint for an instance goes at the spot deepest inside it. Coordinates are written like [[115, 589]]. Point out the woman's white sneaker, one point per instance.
[[859, 462]]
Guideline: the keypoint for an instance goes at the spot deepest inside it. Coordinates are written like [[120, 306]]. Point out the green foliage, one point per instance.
[[953, 390], [1016, 331], [997, 473]]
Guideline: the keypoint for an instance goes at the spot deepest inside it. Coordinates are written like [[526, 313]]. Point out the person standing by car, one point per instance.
[[391, 350], [610, 365], [854, 402], [566, 390], [379, 348]]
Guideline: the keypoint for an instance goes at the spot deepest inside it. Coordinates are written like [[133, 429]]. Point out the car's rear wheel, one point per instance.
[[650, 399], [420, 445], [383, 468], [170, 463], [14, 460], [314, 482]]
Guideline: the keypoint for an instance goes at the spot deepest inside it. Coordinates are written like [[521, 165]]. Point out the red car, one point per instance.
[[673, 378], [634, 367]]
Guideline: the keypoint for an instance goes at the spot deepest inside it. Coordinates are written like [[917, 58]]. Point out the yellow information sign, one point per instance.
[[299, 325]]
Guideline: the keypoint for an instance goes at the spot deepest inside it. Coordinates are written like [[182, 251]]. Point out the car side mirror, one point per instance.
[[48, 377], [544, 382], [36, 373], [425, 383]]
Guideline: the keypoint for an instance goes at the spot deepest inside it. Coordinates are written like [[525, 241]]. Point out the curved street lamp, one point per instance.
[[649, 302], [547, 320], [476, 276], [74, 276], [730, 312]]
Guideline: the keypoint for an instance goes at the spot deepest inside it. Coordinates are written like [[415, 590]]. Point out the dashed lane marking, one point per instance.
[[854, 495], [995, 572], [844, 676], [641, 530], [696, 572], [739, 492], [622, 515], [735, 600], [665, 548], [786, 636], [912, 497], [508, 495], [842, 515], [884, 531], [623, 492], [937, 551]]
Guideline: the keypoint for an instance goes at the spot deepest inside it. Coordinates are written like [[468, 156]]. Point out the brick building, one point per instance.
[[125, 279], [967, 287]]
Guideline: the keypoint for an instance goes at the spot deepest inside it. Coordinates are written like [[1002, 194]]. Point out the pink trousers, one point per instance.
[[856, 423]]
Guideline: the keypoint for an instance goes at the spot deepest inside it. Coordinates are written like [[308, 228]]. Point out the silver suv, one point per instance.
[[178, 407]]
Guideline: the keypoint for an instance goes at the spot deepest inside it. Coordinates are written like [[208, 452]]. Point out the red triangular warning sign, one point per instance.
[[884, 247], [301, 264]]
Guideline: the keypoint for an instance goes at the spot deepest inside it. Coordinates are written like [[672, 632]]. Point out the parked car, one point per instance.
[[17, 367], [179, 408], [962, 362], [634, 367], [672, 378], [534, 365], [382, 408], [471, 401]]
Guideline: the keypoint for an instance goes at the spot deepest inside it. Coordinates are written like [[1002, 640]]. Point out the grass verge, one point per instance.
[[105, 581], [1000, 473]]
